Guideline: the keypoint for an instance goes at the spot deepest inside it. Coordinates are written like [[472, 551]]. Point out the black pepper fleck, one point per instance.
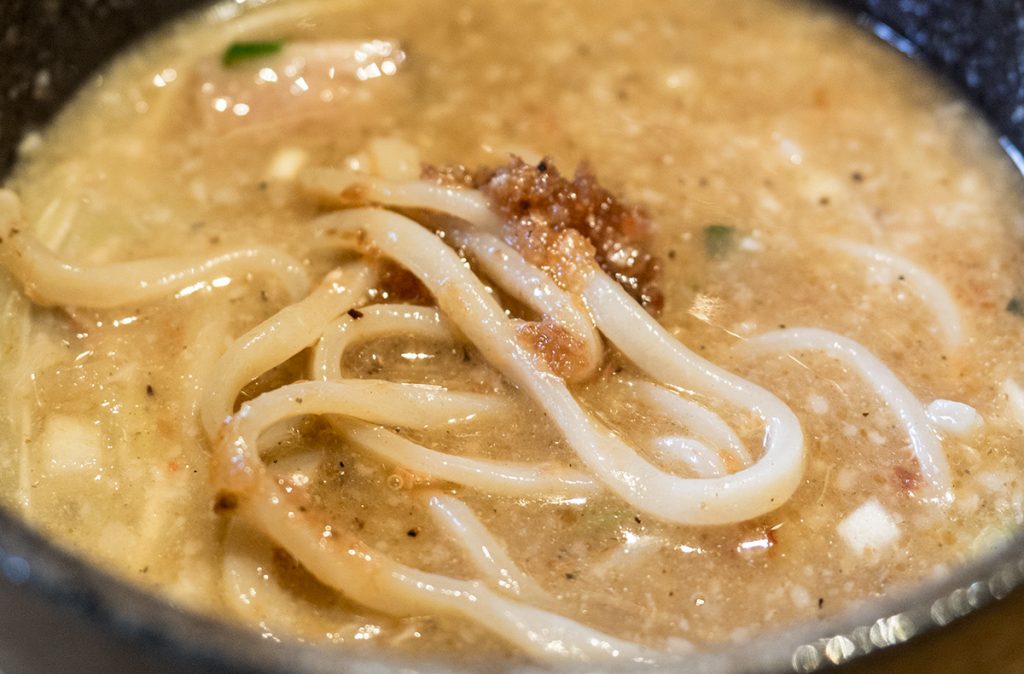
[[226, 502]]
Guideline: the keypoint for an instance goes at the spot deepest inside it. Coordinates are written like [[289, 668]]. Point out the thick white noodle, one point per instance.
[[494, 257], [497, 477], [463, 298], [535, 289], [930, 289], [698, 420], [51, 280], [344, 188], [378, 402], [901, 401], [343, 562], [758, 488], [504, 478], [375, 321], [486, 553], [277, 339], [701, 459], [380, 583], [249, 587]]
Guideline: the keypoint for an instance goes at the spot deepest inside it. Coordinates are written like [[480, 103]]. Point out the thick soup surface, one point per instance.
[[799, 175]]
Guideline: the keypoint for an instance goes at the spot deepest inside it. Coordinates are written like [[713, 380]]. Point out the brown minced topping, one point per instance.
[[555, 221], [561, 350]]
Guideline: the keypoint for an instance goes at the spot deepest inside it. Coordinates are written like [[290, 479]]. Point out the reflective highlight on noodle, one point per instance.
[[384, 396]]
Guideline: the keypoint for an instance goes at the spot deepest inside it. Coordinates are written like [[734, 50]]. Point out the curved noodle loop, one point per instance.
[[932, 291], [342, 189], [488, 555], [701, 421], [901, 401], [277, 339]]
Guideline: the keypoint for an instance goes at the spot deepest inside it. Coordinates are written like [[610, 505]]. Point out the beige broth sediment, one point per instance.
[[780, 120]]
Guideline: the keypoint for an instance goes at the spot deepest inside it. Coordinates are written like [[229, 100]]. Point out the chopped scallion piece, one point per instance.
[[1015, 306], [244, 51], [719, 240]]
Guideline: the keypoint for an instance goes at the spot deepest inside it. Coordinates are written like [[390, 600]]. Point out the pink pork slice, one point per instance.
[[301, 80]]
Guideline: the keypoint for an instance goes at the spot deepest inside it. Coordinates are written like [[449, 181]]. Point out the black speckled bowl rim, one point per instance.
[[58, 613]]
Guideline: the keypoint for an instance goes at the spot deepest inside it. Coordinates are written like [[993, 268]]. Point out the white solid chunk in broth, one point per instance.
[[869, 528], [71, 444], [954, 417]]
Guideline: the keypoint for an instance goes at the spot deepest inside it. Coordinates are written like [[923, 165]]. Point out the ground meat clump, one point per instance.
[[560, 349], [553, 220]]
